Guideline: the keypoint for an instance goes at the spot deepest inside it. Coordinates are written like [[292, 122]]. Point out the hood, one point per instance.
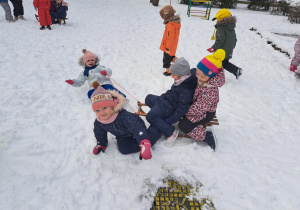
[[80, 61], [120, 98], [228, 22]]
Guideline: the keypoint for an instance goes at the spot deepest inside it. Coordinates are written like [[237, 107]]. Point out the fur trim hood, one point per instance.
[[175, 19], [120, 98], [226, 21], [80, 60]]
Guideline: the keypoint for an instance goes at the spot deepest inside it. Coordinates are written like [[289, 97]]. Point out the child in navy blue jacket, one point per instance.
[[168, 108], [130, 130], [61, 9]]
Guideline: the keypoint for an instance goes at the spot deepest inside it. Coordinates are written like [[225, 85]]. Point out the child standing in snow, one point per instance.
[[226, 39], [168, 108], [61, 9], [210, 76], [93, 71], [296, 59], [18, 9], [4, 4], [130, 130], [171, 35], [42, 6]]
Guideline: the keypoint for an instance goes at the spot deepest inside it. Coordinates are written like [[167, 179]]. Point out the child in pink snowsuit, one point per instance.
[[296, 59], [210, 75], [42, 6]]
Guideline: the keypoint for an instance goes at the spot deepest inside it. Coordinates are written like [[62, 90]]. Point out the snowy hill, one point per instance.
[[46, 136]]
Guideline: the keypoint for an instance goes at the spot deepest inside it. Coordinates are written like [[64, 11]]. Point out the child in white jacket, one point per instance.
[[92, 72]]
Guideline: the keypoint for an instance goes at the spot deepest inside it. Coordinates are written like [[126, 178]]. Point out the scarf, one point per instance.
[[110, 119], [181, 79], [87, 69]]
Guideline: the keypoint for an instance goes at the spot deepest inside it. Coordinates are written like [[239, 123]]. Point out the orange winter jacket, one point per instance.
[[170, 38]]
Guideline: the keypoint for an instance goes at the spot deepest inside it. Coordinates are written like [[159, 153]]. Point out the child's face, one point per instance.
[[90, 63], [104, 113], [175, 77], [201, 76]]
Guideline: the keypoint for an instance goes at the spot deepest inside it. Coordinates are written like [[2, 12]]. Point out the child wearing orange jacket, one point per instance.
[[42, 6], [170, 38]]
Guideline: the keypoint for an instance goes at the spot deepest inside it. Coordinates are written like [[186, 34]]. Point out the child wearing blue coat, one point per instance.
[[92, 72], [130, 130], [61, 9], [168, 108]]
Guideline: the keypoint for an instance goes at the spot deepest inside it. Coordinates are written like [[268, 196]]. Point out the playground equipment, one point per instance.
[[197, 4]]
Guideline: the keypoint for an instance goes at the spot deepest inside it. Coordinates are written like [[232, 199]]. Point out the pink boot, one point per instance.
[[293, 68], [145, 152]]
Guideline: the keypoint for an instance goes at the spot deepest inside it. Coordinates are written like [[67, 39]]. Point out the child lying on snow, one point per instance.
[[93, 71], [210, 76], [130, 130]]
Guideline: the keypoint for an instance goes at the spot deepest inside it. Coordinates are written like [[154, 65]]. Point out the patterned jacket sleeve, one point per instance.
[[100, 134], [218, 80], [296, 58]]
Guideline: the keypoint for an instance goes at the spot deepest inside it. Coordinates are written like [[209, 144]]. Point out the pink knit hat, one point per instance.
[[88, 55], [101, 97]]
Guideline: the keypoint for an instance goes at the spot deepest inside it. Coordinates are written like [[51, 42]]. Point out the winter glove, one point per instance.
[[211, 50], [104, 73], [69, 81], [293, 68], [169, 121], [35, 8], [98, 148], [145, 152]]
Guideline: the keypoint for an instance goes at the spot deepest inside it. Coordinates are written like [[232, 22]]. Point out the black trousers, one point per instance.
[[167, 60], [230, 67], [186, 126], [18, 7]]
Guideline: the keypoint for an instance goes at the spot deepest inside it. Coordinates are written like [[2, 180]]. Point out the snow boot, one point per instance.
[[42, 28], [210, 140], [22, 17], [171, 140], [239, 73], [49, 27], [145, 152], [168, 72], [16, 18]]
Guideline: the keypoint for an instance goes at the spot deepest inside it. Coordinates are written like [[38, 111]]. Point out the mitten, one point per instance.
[[69, 81], [98, 148], [104, 73], [145, 152], [169, 121], [293, 68], [211, 50], [36, 9]]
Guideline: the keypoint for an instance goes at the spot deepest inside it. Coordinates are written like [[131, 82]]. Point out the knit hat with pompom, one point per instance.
[[101, 97], [211, 64], [88, 55]]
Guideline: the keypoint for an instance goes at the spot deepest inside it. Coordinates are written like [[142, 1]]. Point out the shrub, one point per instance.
[[280, 8], [259, 5], [294, 14], [230, 4]]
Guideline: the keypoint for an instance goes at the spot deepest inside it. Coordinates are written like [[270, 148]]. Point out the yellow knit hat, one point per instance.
[[223, 13], [211, 64]]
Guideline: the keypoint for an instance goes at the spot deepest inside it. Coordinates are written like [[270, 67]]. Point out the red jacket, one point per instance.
[[170, 38], [41, 4]]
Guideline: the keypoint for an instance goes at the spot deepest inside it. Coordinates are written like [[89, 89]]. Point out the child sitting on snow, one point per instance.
[[296, 59], [61, 9], [130, 130], [93, 71], [210, 76], [168, 108]]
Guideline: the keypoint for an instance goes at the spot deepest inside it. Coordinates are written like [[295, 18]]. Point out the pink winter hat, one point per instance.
[[101, 97], [88, 55]]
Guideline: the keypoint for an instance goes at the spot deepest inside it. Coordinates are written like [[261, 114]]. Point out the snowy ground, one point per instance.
[[46, 136]]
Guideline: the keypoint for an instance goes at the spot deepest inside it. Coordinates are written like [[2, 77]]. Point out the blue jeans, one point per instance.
[[156, 117]]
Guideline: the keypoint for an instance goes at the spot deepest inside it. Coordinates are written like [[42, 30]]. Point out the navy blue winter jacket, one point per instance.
[[176, 101], [126, 125], [61, 11]]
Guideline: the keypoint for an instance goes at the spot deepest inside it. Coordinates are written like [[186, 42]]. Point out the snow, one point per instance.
[[46, 136]]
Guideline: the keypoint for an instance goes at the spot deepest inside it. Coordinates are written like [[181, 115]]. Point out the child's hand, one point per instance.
[[98, 148], [211, 50], [69, 81], [104, 73], [293, 68]]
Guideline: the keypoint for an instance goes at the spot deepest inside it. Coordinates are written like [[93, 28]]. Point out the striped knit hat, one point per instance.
[[211, 64]]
